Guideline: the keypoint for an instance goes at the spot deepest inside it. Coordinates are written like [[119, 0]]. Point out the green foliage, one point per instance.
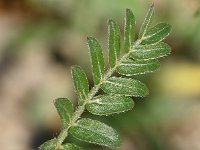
[[150, 51], [156, 34], [114, 43], [97, 59], [139, 57], [147, 22], [131, 67], [80, 83], [129, 31], [65, 110], [96, 132], [110, 104], [124, 86]]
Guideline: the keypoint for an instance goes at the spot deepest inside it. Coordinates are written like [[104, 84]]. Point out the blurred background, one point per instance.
[[41, 39]]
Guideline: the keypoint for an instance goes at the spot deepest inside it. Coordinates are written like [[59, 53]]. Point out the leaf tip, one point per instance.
[[89, 38], [152, 6], [55, 101], [129, 13], [74, 67], [59, 100], [128, 10], [168, 26], [112, 23]]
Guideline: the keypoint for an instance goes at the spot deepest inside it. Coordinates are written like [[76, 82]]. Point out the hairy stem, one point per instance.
[[80, 109]]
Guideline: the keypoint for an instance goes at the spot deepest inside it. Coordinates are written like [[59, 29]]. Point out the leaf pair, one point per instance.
[[144, 52], [88, 130], [147, 35]]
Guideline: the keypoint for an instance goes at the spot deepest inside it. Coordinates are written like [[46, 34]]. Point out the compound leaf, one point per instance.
[[110, 104], [147, 22], [123, 86], [97, 59], [80, 83], [156, 33], [134, 67], [49, 145], [114, 42], [129, 30], [151, 51], [140, 58], [65, 110], [95, 132]]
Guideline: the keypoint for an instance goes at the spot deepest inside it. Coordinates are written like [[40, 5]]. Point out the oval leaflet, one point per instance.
[[134, 67], [124, 86], [157, 50], [65, 110], [95, 132], [110, 104]]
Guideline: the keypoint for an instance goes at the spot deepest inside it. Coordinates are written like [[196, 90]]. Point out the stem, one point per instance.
[[80, 109]]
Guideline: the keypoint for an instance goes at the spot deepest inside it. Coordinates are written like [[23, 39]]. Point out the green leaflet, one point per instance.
[[114, 42], [134, 67], [95, 132], [156, 34], [49, 145], [70, 146], [110, 104], [151, 51], [65, 110], [80, 83], [147, 22], [129, 30], [97, 59], [123, 86]]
